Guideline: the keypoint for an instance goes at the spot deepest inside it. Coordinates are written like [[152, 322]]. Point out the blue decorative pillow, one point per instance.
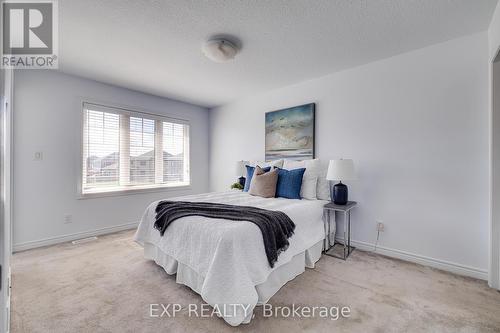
[[289, 183], [250, 170]]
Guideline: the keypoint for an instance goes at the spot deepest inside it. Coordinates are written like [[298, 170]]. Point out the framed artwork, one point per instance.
[[290, 133]]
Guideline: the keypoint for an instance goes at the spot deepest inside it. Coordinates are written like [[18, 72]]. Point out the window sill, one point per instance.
[[125, 192]]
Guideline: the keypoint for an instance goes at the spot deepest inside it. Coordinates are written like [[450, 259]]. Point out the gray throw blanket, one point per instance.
[[276, 227]]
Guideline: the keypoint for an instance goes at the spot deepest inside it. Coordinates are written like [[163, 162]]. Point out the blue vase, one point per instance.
[[339, 194]]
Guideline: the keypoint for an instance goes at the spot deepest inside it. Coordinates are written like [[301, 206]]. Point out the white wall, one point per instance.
[[417, 127], [48, 119]]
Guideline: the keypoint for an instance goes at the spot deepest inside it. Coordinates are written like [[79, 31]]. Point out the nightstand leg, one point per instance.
[[329, 230], [324, 229], [345, 236], [349, 233], [325, 225]]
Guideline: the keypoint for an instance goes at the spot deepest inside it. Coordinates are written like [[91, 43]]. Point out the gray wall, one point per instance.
[[416, 126], [48, 119]]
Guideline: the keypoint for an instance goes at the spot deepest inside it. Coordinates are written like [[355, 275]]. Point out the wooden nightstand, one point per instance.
[[329, 248]]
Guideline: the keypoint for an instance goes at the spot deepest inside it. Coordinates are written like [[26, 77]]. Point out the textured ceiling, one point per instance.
[[154, 46]]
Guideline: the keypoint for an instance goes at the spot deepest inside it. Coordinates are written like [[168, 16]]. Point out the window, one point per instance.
[[126, 150]]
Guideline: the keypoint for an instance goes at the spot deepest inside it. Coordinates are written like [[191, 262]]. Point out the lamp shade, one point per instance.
[[341, 170], [240, 168]]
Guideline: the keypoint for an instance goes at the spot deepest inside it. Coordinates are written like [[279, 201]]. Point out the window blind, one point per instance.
[[124, 150]]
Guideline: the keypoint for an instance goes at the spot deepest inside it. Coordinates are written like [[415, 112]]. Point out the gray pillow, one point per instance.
[[263, 183]]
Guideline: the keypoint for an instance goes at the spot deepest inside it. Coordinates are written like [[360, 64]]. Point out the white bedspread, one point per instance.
[[230, 254]]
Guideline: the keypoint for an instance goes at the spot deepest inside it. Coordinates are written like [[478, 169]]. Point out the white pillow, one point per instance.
[[310, 179], [308, 188], [263, 164], [323, 187]]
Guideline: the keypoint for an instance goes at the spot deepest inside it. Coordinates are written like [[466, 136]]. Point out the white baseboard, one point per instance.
[[394, 253], [422, 260], [71, 237]]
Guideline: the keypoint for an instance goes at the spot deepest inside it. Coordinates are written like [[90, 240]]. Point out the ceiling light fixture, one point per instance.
[[220, 49]]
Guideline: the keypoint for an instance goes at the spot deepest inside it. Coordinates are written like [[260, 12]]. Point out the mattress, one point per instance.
[[224, 261]]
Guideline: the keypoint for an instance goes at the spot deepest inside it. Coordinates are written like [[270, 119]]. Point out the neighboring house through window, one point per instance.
[[128, 150]]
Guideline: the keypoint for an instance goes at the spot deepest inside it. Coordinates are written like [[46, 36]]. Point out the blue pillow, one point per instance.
[[250, 171], [289, 183]]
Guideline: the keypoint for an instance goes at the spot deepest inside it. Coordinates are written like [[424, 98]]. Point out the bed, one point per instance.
[[224, 261]]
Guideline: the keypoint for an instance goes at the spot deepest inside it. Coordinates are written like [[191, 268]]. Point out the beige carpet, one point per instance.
[[107, 286]]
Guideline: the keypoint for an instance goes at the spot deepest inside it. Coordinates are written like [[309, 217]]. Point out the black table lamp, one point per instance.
[[241, 171], [340, 170]]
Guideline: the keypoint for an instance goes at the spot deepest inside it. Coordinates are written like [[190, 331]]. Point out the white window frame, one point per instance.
[[131, 112]]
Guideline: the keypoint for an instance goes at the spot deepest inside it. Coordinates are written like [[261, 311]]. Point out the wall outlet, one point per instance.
[[38, 156], [380, 226], [68, 219]]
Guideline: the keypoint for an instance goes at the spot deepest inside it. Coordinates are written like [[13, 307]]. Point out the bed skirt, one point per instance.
[[276, 279]]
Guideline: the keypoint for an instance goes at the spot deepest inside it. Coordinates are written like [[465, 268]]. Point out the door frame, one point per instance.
[[6, 160], [494, 260]]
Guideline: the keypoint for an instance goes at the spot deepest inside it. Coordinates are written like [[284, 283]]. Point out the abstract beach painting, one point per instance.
[[290, 133]]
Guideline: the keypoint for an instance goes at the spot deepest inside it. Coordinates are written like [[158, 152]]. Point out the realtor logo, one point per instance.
[[29, 38]]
